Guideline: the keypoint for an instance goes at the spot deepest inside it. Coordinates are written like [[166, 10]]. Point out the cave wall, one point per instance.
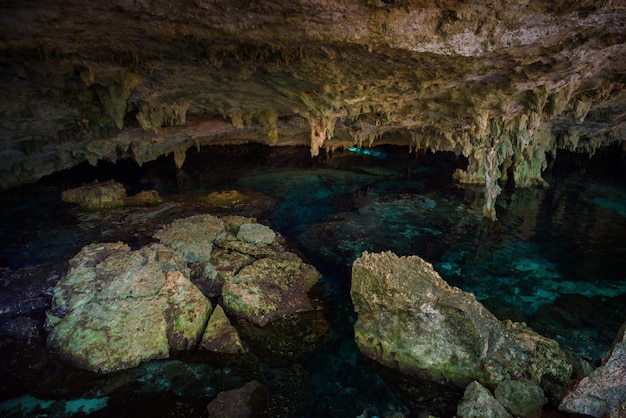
[[502, 83]]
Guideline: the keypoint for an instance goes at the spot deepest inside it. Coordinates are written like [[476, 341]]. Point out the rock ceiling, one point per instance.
[[502, 83]]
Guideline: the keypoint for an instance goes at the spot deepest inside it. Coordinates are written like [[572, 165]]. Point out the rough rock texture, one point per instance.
[[116, 307], [261, 284], [503, 83], [604, 389], [192, 236], [220, 336], [255, 233], [478, 402], [109, 194], [245, 402], [410, 319], [521, 398], [269, 289]]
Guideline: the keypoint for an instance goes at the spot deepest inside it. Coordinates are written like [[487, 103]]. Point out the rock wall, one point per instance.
[[503, 84]]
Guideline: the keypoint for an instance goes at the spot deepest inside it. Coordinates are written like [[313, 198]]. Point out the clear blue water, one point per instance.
[[555, 259]]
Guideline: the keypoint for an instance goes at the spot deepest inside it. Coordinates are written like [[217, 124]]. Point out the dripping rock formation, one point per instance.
[[504, 84]]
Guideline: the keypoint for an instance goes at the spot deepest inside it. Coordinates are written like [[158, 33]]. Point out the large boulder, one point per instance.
[[192, 236], [269, 289], [116, 307], [411, 320], [263, 286], [97, 195], [604, 390]]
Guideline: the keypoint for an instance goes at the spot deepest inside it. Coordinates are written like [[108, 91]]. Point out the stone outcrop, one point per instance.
[[220, 336], [261, 285], [604, 390], [504, 84], [269, 289], [192, 236], [478, 402], [109, 194], [411, 320], [116, 307]]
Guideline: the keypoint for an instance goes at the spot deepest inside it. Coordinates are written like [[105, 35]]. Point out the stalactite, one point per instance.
[[269, 120], [180, 153]]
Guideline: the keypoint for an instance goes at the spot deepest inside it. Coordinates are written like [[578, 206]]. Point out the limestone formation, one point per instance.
[[255, 233], [522, 398], [192, 236], [411, 320], [244, 402], [116, 307], [109, 194], [269, 289], [478, 402], [262, 286], [225, 198], [504, 84], [604, 390], [220, 336]]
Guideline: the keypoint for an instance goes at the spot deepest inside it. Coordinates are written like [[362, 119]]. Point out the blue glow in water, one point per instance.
[[368, 151], [28, 405]]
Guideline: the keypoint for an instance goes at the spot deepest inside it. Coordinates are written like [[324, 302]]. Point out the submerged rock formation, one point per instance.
[[117, 307], [411, 320], [503, 84]]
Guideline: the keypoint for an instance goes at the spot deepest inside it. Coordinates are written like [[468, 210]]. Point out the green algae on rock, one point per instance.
[[110, 194], [411, 320], [117, 308]]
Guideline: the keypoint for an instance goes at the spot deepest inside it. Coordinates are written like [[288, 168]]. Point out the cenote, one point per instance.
[[554, 259]]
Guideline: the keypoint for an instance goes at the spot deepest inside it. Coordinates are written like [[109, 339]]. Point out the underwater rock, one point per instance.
[[604, 389], [478, 402], [109, 194], [269, 289], [286, 339], [192, 236], [411, 320], [21, 328], [220, 336], [116, 307], [248, 401], [522, 398]]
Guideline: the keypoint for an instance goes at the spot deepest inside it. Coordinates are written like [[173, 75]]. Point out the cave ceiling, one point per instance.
[[502, 83]]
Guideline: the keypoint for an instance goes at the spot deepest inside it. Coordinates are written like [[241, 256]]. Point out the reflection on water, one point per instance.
[[555, 258]]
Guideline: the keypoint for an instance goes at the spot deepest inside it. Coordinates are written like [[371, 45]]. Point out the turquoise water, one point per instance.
[[555, 259]]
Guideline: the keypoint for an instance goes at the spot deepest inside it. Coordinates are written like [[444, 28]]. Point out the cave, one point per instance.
[[486, 137]]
